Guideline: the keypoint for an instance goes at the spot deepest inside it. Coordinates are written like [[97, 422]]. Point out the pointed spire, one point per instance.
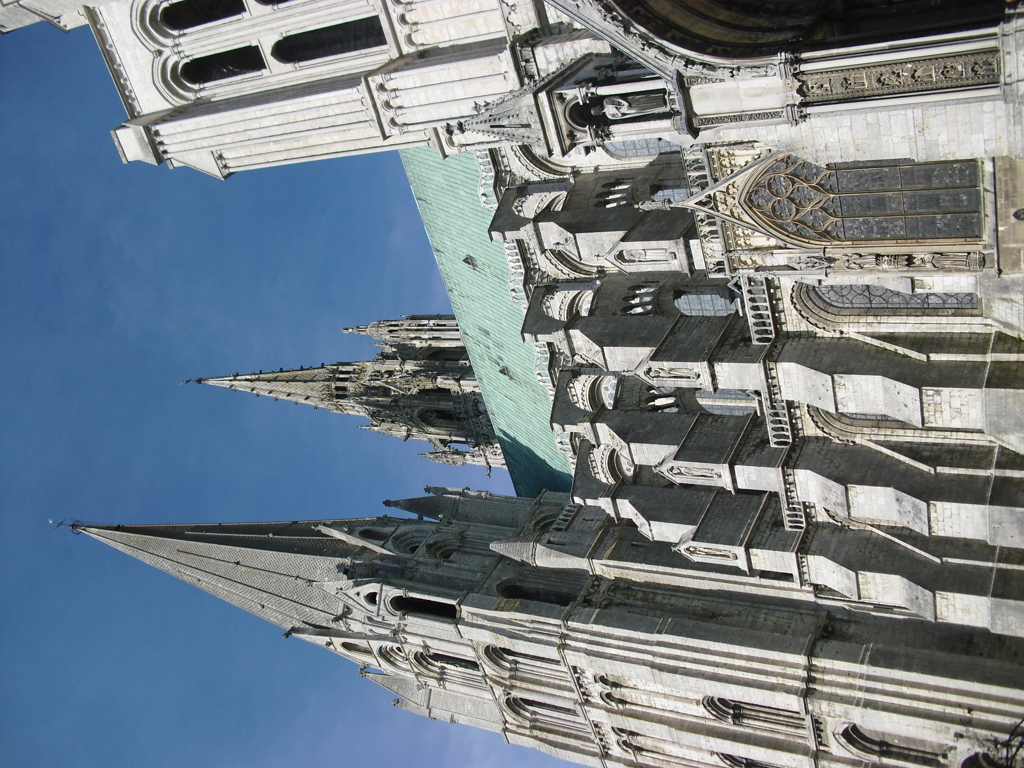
[[313, 386], [269, 569], [521, 548]]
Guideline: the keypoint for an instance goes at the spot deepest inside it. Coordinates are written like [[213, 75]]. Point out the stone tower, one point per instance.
[[419, 387], [568, 631]]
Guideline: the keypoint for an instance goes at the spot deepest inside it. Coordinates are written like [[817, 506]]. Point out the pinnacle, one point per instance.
[[434, 507]]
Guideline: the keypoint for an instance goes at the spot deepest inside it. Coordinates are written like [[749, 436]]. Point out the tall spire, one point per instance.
[[269, 569], [313, 386], [420, 386]]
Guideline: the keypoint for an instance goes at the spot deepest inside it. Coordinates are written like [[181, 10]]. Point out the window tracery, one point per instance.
[[868, 307], [874, 297], [886, 201]]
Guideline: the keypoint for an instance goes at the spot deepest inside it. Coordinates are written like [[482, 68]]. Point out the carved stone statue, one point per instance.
[[632, 105], [965, 261]]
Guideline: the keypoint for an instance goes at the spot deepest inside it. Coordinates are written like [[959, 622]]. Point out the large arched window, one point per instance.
[[610, 465], [884, 202], [187, 14], [409, 540], [220, 66], [335, 40]]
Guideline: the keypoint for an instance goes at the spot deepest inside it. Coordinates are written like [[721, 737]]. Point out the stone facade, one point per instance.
[[772, 274], [420, 386], [574, 632]]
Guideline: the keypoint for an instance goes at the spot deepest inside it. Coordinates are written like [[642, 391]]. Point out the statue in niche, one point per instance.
[[625, 107], [693, 473], [664, 372], [709, 552]]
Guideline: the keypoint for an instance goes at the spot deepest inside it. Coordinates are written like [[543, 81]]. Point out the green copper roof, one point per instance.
[[519, 407]]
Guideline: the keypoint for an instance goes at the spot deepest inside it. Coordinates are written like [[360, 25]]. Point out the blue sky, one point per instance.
[[116, 283]]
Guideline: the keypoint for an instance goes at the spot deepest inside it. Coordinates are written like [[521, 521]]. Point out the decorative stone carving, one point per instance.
[[935, 74], [667, 372], [741, 117], [971, 261], [684, 473]]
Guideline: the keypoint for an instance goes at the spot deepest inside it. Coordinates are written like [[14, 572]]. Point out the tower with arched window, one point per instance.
[[570, 631]]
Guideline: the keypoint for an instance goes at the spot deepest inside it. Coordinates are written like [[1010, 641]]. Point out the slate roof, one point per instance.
[[519, 407]]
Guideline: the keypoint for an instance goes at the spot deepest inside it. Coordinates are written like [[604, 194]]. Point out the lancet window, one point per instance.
[[640, 300], [419, 606], [509, 661], [613, 194], [660, 399], [741, 713], [335, 40], [545, 714], [436, 664]]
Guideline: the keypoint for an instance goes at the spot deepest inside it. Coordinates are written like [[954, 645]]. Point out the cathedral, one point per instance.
[[739, 290]]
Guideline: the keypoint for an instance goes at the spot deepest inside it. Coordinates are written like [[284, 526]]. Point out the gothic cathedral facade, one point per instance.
[[769, 260]]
